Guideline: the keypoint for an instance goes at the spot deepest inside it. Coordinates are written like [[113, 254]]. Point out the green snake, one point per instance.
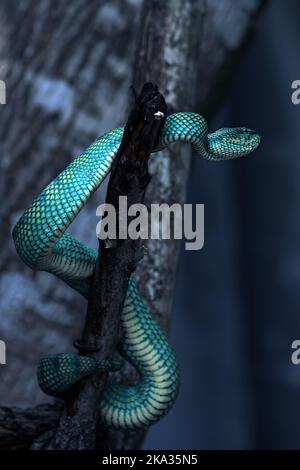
[[42, 243]]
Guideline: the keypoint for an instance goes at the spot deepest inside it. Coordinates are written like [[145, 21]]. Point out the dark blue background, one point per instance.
[[237, 307]]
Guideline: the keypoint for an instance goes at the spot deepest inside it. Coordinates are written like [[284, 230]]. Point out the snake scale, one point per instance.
[[42, 243]]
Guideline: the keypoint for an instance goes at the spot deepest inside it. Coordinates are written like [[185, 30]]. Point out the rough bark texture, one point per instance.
[[19, 427], [117, 260], [67, 78]]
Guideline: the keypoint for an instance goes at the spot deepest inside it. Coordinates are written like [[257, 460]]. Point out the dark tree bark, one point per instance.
[[68, 81], [19, 427]]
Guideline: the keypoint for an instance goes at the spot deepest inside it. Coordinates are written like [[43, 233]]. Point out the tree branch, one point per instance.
[[117, 260]]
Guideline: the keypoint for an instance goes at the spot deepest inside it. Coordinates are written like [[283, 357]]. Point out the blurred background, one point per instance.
[[236, 306]]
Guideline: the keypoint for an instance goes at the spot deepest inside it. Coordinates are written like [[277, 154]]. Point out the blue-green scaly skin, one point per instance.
[[42, 242]]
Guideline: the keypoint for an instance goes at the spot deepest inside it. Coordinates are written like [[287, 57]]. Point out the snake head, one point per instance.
[[234, 142]]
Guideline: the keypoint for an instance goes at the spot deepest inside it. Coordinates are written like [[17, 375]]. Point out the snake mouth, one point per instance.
[[251, 142]]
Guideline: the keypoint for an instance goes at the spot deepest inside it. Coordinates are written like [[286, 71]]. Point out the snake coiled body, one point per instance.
[[42, 242]]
